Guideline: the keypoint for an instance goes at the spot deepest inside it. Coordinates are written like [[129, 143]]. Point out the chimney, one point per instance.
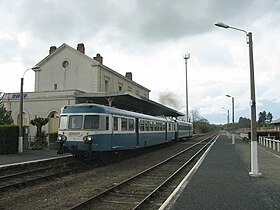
[[52, 49], [81, 48], [98, 58], [128, 75]]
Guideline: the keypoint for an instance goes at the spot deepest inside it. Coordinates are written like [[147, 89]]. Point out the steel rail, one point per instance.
[[27, 177], [139, 205], [107, 191]]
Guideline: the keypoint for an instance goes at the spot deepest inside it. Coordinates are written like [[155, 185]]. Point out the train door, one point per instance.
[[115, 131], [166, 131], [137, 131]]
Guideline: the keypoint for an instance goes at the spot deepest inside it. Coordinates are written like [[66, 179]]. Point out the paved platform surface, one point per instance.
[[223, 182], [27, 155]]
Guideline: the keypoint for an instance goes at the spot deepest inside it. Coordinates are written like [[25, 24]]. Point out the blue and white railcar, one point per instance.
[[184, 129], [96, 128]]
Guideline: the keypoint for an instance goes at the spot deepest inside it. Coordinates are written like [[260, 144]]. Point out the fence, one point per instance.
[[270, 142]]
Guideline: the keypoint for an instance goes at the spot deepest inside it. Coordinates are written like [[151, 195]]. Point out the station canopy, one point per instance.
[[127, 101]]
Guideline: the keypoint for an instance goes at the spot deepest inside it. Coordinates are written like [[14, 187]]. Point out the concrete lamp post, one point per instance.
[[20, 140], [227, 119], [186, 57], [232, 102], [254, 144]]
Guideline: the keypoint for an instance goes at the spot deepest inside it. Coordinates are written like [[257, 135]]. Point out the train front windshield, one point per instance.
[[87, 122]]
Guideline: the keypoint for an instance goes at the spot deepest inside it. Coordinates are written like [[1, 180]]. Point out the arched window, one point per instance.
[[25, 119], [53, 122]]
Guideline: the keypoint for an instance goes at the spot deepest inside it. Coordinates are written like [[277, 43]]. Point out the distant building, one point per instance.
[[276, 124], [64, 76]]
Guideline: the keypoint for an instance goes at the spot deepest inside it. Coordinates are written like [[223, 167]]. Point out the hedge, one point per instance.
[[9, 139]]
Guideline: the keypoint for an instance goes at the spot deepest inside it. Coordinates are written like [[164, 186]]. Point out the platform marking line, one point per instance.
[[176, 193], [33, 161], [268, 151]]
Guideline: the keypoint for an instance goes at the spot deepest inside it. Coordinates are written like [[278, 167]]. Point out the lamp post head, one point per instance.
[[222, 25], [228, 96], [34, 68]]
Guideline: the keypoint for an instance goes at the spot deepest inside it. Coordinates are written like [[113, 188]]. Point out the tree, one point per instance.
[[269, 117], [244, 122], [264, 119], [200, 124], [39, 123], [195, 115], [5, 116]]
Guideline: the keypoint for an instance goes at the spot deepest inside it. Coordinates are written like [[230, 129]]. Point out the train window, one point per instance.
[[141, 125], [107, 123], [75, 121], [160, 126], [124, 124], [146, 126], [131, 124], [156, 126], [116, 124], [151, 126], [63, 122], [91, 122]]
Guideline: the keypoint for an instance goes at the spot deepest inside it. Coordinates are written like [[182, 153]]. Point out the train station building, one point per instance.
[[67, 76]]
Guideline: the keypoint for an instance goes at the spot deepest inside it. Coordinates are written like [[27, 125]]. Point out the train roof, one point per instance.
[[183, 122], [97, 108]]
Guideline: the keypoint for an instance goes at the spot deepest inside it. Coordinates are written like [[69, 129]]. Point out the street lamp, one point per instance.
[[20, 140], [232, 100], [227, 117], [186, 57], [254, 145]]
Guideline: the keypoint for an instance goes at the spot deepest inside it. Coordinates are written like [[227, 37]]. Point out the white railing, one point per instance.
[[270, 142], [244, 136]]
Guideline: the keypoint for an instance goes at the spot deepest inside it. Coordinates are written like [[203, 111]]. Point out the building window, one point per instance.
[[55, 86], [65, 64], [106, 85], [120, 86]]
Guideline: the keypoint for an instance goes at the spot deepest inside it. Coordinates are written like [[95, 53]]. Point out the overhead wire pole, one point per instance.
[[232, 102], [254, 143], [186, 57]]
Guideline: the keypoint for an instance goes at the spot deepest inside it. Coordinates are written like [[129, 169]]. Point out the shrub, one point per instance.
[[9, 139]]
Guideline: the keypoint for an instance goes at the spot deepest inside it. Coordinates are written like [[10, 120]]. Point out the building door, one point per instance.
[[53, 122]]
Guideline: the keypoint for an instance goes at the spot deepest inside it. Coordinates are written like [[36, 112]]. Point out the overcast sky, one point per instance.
[[149, 38]]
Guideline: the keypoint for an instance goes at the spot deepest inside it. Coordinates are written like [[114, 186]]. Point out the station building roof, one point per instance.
[[127, 101], [275, 122]]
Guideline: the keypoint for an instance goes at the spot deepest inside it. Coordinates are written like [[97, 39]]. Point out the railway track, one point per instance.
[[26, 174], [150, 188]]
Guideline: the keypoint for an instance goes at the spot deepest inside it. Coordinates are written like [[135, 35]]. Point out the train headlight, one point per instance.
[[88, 139], [61, 138]]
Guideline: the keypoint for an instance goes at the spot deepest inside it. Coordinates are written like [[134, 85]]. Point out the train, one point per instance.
[[88, 129]]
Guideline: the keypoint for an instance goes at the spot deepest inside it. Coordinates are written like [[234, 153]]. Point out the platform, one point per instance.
[[27, 156], [222, 181]]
